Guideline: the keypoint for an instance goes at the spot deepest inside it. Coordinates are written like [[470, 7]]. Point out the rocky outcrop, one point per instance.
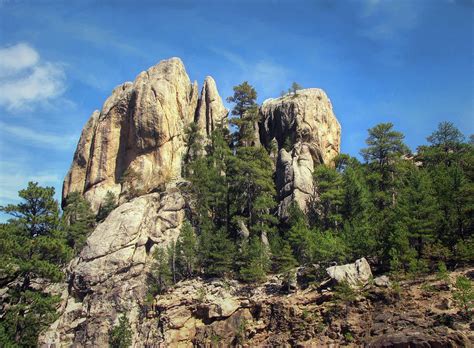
[[135, 143], [133, 147], [302, 130], [109, 277]]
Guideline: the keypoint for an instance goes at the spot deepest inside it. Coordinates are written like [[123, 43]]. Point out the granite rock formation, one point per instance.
[[226, 313], [135, 143], [134, 148], [302, 131]]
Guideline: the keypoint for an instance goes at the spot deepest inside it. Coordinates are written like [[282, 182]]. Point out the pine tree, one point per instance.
[[295, 87], [328, 246], [446, 146], [217, 253], [422, 209], [453, 189], [245, 112], [450, 164], [31, 246], [252, 189], [299, 235], [282, 255], [161, 276], [78, 220], [283, 260], [395, 248], [186, 251], [38, 213], [109, 204], [330, 197], [386, 168], [447, 136], [210, 183], [357, 210], [194, 148], [385, 150], [121, 335], [172, 261], [255, 261]]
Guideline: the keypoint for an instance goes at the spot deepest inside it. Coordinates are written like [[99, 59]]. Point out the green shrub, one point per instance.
[[442, 271], [464, 295]]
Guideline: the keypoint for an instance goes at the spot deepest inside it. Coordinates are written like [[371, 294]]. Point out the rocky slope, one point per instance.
[[225, 313], [134, 147], [420, 314], [303, 132]]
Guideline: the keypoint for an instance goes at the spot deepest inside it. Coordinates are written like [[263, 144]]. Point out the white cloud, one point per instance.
[[26, 80], [50, 141], [16, 58]]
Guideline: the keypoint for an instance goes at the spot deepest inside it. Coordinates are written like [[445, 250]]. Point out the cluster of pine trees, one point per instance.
[[405, 212], [35, 246]]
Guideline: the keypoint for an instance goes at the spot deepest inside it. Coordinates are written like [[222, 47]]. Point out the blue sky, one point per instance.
[[409, 62]]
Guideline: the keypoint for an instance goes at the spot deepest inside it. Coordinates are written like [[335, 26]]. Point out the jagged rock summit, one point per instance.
[[134, 147], [140, 132], [303, 131]]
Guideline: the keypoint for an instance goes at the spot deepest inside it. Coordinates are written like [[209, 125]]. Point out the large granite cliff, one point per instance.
[[140, 129]]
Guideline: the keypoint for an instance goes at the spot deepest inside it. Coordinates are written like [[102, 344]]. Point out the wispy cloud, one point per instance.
[[35, 137], [100, 37], [15, 176], [384, 20], [26, 80], [268, 76]]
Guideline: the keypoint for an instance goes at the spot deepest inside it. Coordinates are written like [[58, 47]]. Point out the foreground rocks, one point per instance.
[[220, 313]]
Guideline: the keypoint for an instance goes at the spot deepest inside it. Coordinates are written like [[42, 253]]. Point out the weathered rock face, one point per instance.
[[140, 130], [305, 132], [109, 277], [136, 142]]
